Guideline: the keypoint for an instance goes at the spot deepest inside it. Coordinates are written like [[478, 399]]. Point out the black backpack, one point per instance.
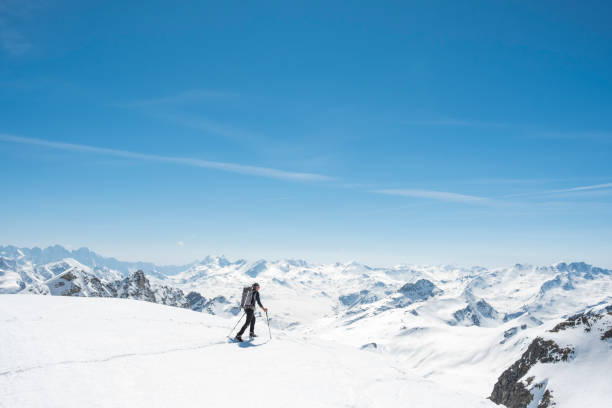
[[247, 298]]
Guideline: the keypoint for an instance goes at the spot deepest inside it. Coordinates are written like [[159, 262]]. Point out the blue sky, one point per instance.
[[416, 132]]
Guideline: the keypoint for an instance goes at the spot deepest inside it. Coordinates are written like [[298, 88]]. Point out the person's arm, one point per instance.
[[259, 301]]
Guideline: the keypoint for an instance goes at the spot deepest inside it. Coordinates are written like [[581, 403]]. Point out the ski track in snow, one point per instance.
[[104, 360], [288, 370], [434, 336]]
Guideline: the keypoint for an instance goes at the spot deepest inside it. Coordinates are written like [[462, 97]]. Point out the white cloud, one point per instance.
[[563, 190], [583, 188], [222, 166], [191, 95], [433, 195], [209, 126], [180, 243], [454, 123], [169, 108]]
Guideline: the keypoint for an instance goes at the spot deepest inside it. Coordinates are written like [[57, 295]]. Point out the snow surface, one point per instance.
[[455, 329], [100, 352], [585, 380]]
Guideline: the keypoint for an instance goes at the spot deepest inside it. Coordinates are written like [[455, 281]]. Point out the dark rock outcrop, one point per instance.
[[510, 391], [369, 346], [547, 400], [196, 301], [420, 290], [135, 286], [216, 304], [77, 282], [585, 320], [357, 298], [475, 313]]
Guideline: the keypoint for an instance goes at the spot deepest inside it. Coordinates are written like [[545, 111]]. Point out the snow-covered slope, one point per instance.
[[556, 367], [77, 352], [70, 278], [105, 267], [75, 281], [458, 327], [461, 327]]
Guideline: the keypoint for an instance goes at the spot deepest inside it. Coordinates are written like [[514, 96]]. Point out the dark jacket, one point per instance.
[[254, 299]]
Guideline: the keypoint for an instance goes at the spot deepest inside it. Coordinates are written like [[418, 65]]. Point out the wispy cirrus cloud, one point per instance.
[[453, 122], [236, 168], [171, 108], [578, 189], [275, 173], [515, 181], [526, 130], [206, 125], [185, 161], [596, 136], [187, 96], [582, 188], [431, 194]]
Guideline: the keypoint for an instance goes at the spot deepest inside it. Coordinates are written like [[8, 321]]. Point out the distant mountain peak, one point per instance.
[[256, 268]]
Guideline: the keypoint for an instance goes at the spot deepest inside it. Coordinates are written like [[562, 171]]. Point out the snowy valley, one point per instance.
[[344, 334]]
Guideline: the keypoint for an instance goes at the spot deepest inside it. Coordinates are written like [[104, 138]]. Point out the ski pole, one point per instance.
[[236, 325], [268, 321]]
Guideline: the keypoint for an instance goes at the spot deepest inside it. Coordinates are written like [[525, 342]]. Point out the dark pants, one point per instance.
[[250, 313]]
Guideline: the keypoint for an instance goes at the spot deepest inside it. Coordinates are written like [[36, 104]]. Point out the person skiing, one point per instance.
[[250, 313]]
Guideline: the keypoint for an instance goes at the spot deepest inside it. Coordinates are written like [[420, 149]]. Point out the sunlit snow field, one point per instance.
[[85, 352]]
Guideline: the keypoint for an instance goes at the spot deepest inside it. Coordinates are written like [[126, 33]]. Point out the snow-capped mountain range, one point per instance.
[[464, 328]]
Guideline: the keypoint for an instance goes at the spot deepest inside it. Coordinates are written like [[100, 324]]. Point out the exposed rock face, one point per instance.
[[36, 289], [516, 389], [514, 393], [170, 296], [7, 263], [476, 313], [216, 305], [547, 400], [585, 320], [508, 334], [135, 286], [196, 301], [369, 346], [257, 268], [199, 303], [362, 297], [77, 282], [420, 290]]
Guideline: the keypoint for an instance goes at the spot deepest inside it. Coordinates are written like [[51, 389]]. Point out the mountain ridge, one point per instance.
[[457, 326], [90, 258]]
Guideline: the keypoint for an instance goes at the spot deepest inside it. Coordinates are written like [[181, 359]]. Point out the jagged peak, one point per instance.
[[8, 263], [256, 268], [219, 260]]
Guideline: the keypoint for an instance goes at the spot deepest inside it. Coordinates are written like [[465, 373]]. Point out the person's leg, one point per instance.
[[250, 315], [253, 323]]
